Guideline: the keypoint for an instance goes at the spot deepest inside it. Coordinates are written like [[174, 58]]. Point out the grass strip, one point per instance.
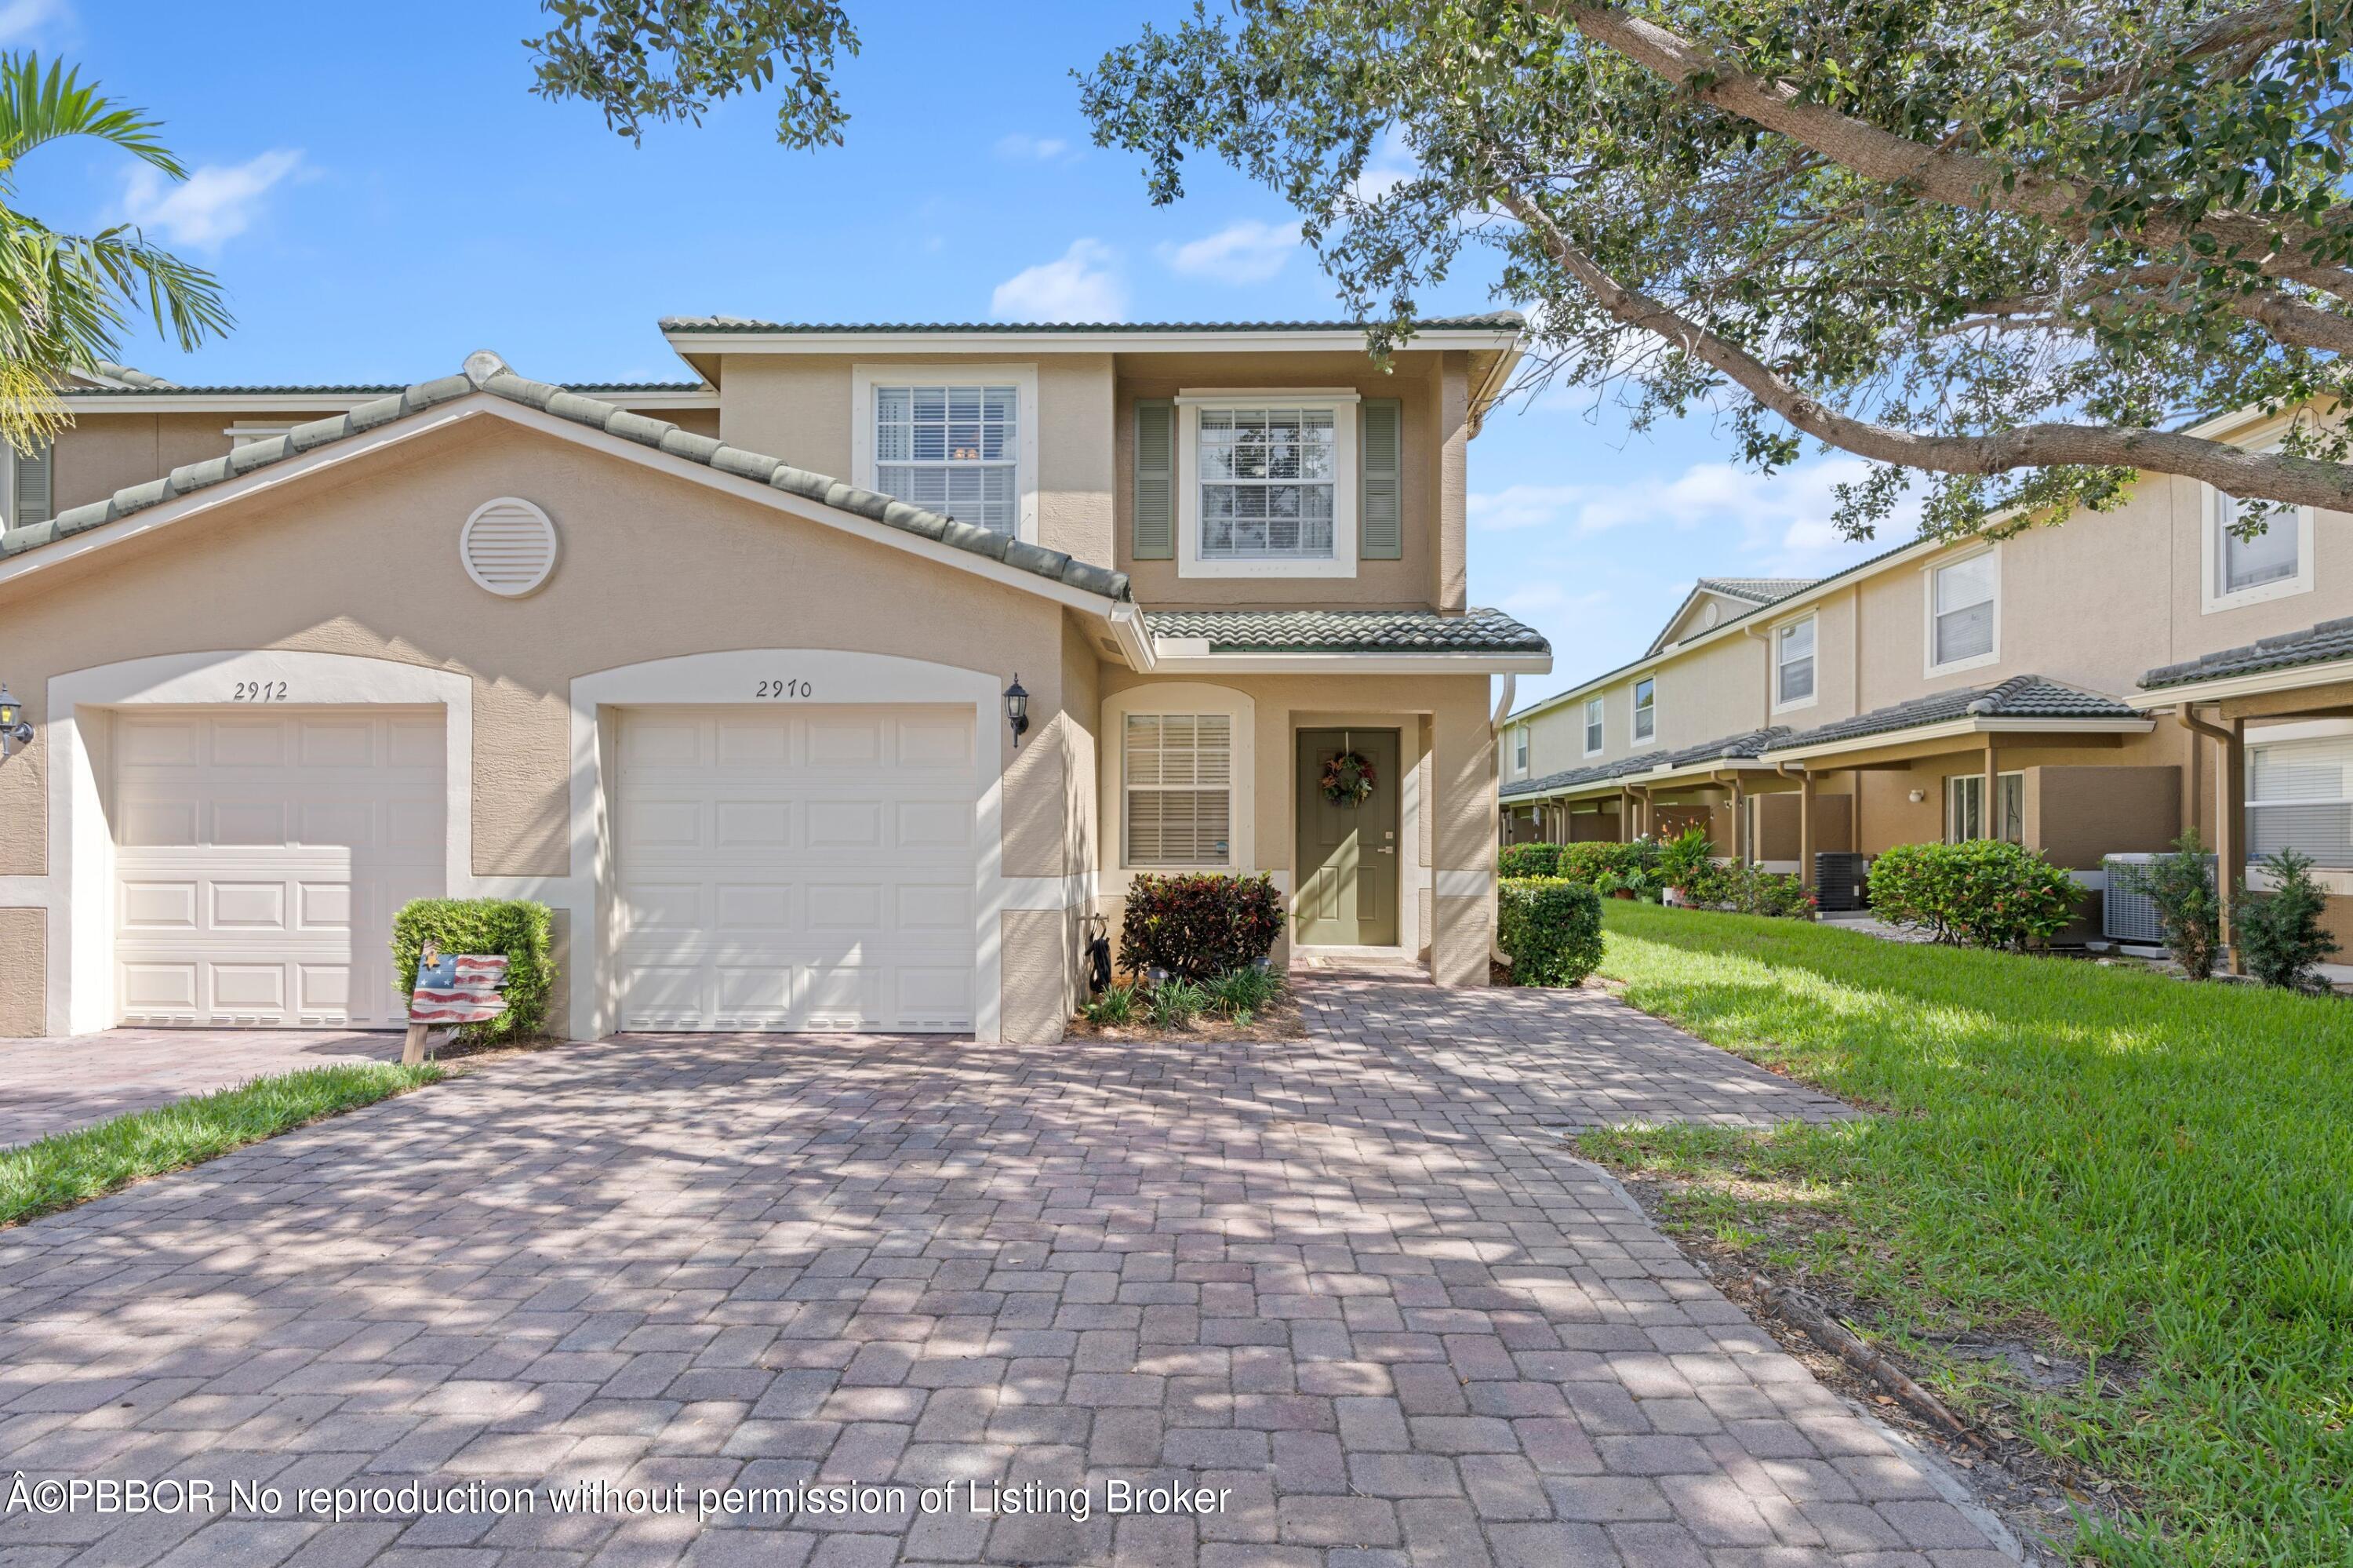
[[68, 1168], [2154, 1175]]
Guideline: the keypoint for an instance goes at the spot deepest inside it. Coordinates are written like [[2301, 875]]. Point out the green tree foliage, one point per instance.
[[2006, 243], [672, 59], [66, 299], [2279, 932]]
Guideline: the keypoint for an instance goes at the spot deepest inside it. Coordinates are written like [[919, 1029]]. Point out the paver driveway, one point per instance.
[[1354, 1287], [50, 1085]]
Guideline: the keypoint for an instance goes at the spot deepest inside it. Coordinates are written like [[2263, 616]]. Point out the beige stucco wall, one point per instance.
[[1445, 741], [364, 561], [1039, 971], [24, 959], [798, 407], [1433, 388]]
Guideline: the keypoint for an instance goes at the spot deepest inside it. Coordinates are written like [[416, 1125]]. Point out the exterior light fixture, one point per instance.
[[1016, 709], [14, 730]]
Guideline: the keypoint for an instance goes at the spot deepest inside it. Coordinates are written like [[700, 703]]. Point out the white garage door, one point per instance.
[[804, 868], [259, 857]]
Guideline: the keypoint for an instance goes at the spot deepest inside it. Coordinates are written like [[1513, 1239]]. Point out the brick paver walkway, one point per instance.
[[51, 1086], [1354, 1288]]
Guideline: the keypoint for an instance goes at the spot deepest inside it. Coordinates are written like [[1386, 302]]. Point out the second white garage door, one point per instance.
[[804, 868]]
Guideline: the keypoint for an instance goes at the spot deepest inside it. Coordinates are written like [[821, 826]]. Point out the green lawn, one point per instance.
[[2157, 1175], [75, 1166]]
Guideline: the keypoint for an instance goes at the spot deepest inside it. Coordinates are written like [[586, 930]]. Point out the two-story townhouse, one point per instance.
[[838, 688], [2089, 689]]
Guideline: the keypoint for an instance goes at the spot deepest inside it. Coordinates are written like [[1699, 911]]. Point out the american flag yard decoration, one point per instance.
[[452, 989]]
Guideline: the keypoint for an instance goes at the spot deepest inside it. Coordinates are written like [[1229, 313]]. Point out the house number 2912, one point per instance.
[[261, 692], [786, 688]]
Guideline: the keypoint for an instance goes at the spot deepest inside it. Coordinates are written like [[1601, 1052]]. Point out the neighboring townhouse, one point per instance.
[[835, 688], [2090, 689]]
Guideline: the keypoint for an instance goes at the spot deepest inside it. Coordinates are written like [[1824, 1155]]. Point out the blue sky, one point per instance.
[[380, 194]]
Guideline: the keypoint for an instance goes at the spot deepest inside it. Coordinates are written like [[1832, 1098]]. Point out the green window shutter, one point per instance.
[[1155, 480], [1381, 496], [32, 487]]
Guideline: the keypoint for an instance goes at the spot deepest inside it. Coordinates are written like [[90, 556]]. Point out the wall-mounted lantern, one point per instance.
[[14, 731], [1016, 709]]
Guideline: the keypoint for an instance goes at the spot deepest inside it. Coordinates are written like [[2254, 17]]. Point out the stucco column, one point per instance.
[[1990, 814], [2230, 849], [1805, 829], [1453, 481]]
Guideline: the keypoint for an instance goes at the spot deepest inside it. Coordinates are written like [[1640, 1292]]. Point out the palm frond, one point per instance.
[[38, 107]]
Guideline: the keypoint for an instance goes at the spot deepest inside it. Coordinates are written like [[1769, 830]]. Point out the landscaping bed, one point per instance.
[[69, 1168], [2147, 1185]]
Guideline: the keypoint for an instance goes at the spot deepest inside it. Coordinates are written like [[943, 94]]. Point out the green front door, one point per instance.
[[1348, 854]]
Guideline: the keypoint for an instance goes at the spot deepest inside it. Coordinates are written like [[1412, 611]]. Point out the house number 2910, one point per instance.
[[783, 689], [261, 692]]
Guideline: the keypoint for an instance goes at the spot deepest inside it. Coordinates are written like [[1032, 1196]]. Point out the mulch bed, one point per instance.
[[1278, 1020]]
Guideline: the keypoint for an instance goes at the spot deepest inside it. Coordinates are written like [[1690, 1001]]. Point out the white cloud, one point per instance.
[[1080, 287], [20, 17], [1020, 146], [215, 203], [1244, 252], [1781, 522]]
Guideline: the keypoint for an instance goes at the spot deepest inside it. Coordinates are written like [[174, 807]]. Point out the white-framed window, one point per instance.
[[1593, 736], [1266, 484], [1964, 611], [1965, 814], [961, 440], [1176, 773], [1646, 710], [1793, 664], [2300, 796], [2274, 563], [1520, 751]]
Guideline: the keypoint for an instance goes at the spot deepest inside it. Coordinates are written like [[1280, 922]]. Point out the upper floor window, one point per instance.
[[961, 440], [1267, 484], [1645, 710], [1177, 772], [1793, 664], [2274, 563], [951, 449], [1961, 620], [1592, 726], [1520, 749]]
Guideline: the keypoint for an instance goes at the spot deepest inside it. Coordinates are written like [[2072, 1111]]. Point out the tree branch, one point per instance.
[[2249, 32], [1944, 174], [2268, 476]]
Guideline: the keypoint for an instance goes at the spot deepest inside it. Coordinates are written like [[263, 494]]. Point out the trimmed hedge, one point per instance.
[[1552, 928], [1984, 892], [1528, 860], [517, 927], [1199, 926]]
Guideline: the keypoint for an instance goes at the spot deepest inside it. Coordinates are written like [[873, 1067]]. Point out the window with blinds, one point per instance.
[[1179, 783], [1793, 652], [2274, 556], [1962, 609], [951, 449], [1268, 482], [2300, 796]]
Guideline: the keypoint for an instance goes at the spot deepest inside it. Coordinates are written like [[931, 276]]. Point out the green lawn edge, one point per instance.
[[2157, 1174], [72, 1167]]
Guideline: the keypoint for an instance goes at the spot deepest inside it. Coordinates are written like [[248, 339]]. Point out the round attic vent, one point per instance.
[[508, 547], [1710, 615]]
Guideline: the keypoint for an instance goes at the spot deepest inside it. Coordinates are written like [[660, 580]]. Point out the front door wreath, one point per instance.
[[1348, 779]]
